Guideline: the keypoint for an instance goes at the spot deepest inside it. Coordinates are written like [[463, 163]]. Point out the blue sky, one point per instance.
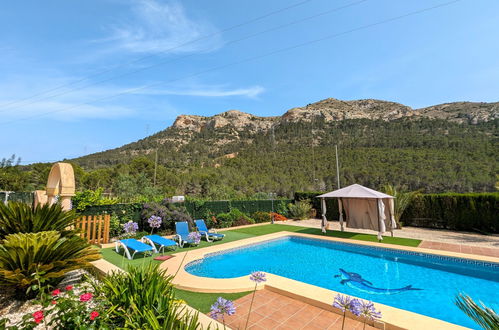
[[119, 70]]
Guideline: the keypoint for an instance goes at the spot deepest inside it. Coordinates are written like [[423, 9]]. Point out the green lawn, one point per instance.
[[233, 235], [203, 301], [262, 230]]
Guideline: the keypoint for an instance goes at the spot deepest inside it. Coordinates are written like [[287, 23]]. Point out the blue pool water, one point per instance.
[[316, 262]]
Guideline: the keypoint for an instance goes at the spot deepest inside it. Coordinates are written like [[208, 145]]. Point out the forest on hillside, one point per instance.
[[427, 155]]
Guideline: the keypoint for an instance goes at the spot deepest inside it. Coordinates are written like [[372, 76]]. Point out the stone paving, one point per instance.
[[274, 311]]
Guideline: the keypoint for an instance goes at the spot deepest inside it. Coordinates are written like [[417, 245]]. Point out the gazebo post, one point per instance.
[[380, 238]]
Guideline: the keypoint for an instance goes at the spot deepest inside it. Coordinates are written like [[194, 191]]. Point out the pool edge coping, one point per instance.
[[394, 318]]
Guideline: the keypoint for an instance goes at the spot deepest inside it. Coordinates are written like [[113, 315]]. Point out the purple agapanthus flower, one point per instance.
[[347, 303], [155, 221], [195, 236], [368, 310], [222, 307], [258, 277], [130, 227]]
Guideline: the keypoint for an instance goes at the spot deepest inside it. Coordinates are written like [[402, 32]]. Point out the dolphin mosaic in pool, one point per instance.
[[356, 281]]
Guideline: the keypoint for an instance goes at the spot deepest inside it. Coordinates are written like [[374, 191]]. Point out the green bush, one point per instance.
[[260, 217], [300, 210], [233, 218], [17, 217], [469, 212], [86, 198], [143, 298], [168, 212], [331, 203], [30, 259]]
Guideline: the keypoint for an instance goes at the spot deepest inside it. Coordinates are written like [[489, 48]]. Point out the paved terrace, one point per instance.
[[274, 311], [438, 239]]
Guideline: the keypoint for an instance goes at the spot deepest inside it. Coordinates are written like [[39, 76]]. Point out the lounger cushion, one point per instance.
[[136, 245], [156, 239]]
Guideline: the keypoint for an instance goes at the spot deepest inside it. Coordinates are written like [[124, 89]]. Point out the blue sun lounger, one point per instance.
[[154, 240], [182, 229], [134, 245], [204, 231]]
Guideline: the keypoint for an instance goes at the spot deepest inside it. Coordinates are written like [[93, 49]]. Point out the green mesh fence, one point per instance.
[[17, 196]]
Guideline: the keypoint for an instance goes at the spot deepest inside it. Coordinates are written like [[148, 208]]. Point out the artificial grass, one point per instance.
[[203, 301], [234, 235], [268, 229], [119, 260]]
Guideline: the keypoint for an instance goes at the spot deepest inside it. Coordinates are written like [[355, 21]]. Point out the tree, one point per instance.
[[401, 201]]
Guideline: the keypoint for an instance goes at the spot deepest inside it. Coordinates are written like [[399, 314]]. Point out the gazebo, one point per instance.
[[364, 208]]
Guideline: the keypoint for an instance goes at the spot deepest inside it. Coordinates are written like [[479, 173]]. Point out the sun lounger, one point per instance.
[[204, 231], [182, 229], [134, 245], [154, 240]]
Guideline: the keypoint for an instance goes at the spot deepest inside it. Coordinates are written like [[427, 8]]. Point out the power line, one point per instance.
[[160, 63], [249, 59], [140, 59]]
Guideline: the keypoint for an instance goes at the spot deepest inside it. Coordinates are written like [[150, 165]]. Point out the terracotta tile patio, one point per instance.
[[462, 248], [274, 311]]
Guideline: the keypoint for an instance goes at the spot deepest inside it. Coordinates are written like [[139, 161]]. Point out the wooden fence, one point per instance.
[[94, 228]]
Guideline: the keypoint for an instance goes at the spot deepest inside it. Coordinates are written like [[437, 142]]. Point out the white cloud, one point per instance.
[[157, 27], [207, 91], [97, 102]]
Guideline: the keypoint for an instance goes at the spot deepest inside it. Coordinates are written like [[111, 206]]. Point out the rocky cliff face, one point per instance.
[[233, 118], [333, 110]]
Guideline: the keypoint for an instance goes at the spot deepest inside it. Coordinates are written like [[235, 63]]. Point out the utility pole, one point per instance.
[[155, 166], [337, 167]]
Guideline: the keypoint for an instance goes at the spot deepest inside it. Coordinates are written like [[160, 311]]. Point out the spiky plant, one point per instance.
[[484, 316], [143, 298], [28, 260], [401, 201], [16, 217]]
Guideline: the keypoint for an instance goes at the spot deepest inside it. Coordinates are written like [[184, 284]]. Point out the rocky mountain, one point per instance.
[[446, 147]]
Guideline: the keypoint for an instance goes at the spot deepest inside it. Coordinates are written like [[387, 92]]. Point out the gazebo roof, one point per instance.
[[355, 191]]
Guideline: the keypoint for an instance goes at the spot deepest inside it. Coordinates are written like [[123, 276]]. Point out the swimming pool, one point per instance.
[[434, 280]]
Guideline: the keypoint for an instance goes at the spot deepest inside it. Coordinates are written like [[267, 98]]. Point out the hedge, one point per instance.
[[199, 209], [467, 212]]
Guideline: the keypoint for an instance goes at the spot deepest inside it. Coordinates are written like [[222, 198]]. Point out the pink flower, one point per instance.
[[54, 302], [38, 316], [86, 296], [56, 292], [93, 315], [69, 287]]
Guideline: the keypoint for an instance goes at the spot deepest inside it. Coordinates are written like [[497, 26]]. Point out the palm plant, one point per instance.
[[484, 316], [401, 201], [29, 260], [143, 298], [17, 217]]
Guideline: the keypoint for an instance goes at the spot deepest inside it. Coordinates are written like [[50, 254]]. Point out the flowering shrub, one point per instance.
[[154, 222], [278, 217], [195, 237], [222, 307], [66, 310], [130, 227]]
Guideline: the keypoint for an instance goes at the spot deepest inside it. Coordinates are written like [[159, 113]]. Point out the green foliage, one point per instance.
[[17, 217], [401, 202], [90, 197], [260, 217], [300, 210], [25, 258], [468, 212], [484, 316], [12, 176], [233, 218], [143, 298], [168, 212], [331, 203]]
